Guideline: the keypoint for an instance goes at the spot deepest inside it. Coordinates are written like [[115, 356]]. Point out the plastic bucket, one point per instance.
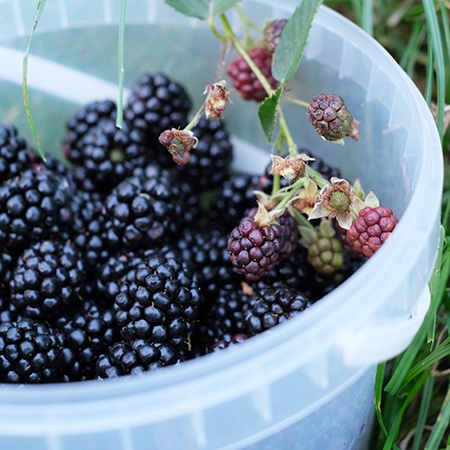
[[308, 384]]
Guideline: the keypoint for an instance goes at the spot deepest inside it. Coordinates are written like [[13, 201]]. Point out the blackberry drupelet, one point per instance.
[[85, 334], [210, 161], [136, 357], [158, 301], [234, 198], [143, 210], [47, 280], [29, 352], [157, 103], [14, 152], [34, 206], [270, 306]]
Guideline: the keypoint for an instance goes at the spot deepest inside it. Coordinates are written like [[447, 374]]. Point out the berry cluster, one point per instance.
[[116, 261]]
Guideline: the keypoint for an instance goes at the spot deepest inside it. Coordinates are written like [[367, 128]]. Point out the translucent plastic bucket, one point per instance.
[[308, 384]]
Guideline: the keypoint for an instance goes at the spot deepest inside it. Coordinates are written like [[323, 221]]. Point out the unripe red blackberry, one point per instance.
[[371, 228], [330, 117], [272, 34], [243, 78], [255, 249]]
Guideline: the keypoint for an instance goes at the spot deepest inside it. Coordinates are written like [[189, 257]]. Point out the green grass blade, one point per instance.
[[409, 56], [437, 285], [378, 396], [39, 10], [441, 352], [121, 57], [441, 426], [395, 428], [367, 16], [427, 395], [435, 38]]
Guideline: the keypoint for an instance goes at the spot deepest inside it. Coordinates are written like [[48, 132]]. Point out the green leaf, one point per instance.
[[267, 112], [201, 9], [289, 51]]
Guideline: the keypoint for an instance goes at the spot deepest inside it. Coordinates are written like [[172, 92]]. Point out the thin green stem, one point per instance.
[[39, 10], [301, 219], [296, 101], [317, 177], [263, 80], [289, 195], [121, 59]]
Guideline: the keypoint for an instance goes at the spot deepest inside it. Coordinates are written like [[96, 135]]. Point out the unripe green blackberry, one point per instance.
[[326, 254], [330, 117]]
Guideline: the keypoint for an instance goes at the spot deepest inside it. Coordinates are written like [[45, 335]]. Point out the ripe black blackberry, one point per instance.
[[205, 251], [106, 282], [220, 318], [157, 103], [210, 161], [158, 301], [143, 210], [47, 279], [29, 352], [108, 155], [85, 334], [270, 306], [84, 120], [34, 206], [7, 262], [136, 357], [234, 198], [14, 152], [88, 230]]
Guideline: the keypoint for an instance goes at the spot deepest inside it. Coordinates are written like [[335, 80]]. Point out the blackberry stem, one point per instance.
[[293, 150], [301, 219]]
